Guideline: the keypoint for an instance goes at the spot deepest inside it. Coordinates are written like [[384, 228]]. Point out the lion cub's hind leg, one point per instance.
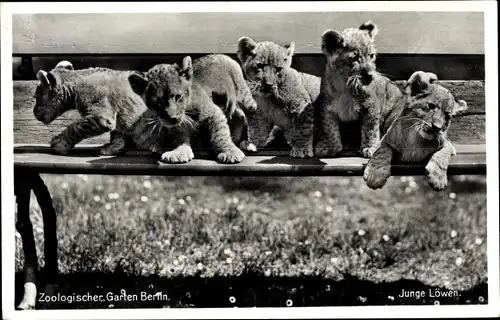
[[115, 146]]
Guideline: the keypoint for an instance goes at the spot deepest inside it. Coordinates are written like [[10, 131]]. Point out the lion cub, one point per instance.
[[181, 97], [103, 98], [350, 64], [416, 132], [284, 96]]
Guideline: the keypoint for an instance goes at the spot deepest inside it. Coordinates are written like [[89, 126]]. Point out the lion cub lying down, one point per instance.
[[415, 131], [181, 97]]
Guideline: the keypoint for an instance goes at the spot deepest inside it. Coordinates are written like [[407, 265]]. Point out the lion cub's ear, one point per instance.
[[331, 40], [460, 106], [419, 81], [370, 27], [65, 65], [246, 48], [186, 70], [46, 78], [138, 83]]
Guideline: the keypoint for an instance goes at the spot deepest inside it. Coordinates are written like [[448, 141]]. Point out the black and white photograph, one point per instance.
[[249, 159]]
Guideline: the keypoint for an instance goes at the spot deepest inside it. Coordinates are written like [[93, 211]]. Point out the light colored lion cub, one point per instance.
[[350, 64], [415, 132], [181, 97], [284, 96]]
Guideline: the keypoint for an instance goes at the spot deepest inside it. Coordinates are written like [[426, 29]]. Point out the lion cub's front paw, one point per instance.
[[248, 146], [306, 152], [60, 145], [325, 149], [436, 177], [376, 177], [234, 155], [368, 152], [179, 155]]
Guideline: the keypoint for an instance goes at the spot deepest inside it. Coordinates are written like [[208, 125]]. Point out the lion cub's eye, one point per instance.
[[372, 56], [279, 69], [177, 97], [431, 106], [260, 65]]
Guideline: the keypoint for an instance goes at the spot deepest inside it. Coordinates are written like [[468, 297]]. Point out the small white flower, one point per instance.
[[127, 204], [267, 273], [199, 266], [386, 238], [235, 200], [452, 195], [329, 209], [404, 179], [289, 303], [453, 233], [176, 262], [317, 194], [228, 252], [335, 260], [459, 261], [107, 206], [182, 258], [408, 190], [478, 241], [188, 198], [84, 177], [206, 211], [232, 299], [97, 198], [181, 202], [229, 260], [268, 253], [412, 184], [361, 232], [144, 199], [147, 184], [240, 207]]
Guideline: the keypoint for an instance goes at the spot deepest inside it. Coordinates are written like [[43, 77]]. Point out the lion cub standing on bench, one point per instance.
[[181, 97], [415, 131]]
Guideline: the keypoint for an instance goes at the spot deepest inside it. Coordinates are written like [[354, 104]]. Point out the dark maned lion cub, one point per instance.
[[182, 98], [415, 132], [350, 64]]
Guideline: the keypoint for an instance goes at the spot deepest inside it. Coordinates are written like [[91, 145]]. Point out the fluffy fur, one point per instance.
[[350, 57], [284, 96], [415, 132], [182, 98], [103, 98]]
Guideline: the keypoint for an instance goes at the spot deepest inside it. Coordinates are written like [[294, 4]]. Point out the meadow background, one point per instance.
[[265, 241]]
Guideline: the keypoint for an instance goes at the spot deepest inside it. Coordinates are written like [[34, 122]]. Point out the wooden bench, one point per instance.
[[401, 48]]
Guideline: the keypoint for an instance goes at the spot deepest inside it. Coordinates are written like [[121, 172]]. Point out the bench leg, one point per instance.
[[25, 182], [44, 199], [25, 229]]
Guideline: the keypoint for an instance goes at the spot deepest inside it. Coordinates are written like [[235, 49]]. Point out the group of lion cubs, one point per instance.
[[245, 104]]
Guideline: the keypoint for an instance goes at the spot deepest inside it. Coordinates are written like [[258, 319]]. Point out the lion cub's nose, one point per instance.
[[366, 76]]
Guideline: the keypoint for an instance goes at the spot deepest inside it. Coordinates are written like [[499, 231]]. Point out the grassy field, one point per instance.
[[277, 241]]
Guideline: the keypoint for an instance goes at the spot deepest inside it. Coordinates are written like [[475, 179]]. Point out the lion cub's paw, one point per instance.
[[60, 145], [234, 155], [376, 177], [324, 149], [306, 152], [110, 149], [368, 152], [180, 155], [436, 177], [248, 146]]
